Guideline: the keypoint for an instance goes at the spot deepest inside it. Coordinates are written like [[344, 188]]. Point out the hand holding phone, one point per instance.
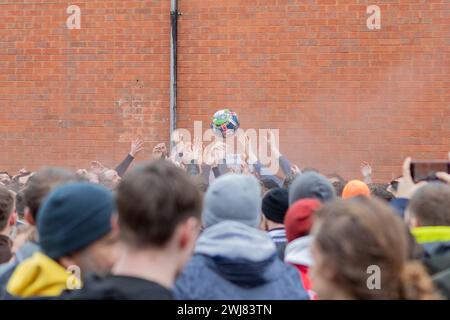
[[444, 177], [406, 184], [427, 170]]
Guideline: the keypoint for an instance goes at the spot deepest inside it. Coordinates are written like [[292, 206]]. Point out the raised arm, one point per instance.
[[137, 145], [366, 171]]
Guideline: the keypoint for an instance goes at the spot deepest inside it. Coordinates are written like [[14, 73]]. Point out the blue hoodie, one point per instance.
[[233, 261]]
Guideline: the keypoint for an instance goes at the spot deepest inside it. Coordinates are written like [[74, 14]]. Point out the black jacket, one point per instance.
[[437, 262], [442, 281], [113, 287]]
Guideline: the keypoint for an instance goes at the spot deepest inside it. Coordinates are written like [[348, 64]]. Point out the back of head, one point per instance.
[[270, 183], [355, 188], [233, 197], [275, 204], [20, 180], [380, 190], [20, 203], [311, 185], [361, 233], [41, 183], [430, 205], [310, 169], [73, 216], [6, 206], [153, 199], [200, 182], [338, 187], [300, 217], [15, 186], [109, 178], [334, 177], [5, 178]]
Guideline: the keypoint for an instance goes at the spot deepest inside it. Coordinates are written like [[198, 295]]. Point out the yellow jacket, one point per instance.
[[431, 234], [38, 276]]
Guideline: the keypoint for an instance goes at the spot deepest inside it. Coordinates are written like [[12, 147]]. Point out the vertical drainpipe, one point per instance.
[[173, 65]]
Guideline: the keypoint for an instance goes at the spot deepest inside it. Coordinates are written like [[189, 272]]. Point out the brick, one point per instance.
[[339, 94]]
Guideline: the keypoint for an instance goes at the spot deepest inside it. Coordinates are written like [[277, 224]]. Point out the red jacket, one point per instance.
[[303, 270]]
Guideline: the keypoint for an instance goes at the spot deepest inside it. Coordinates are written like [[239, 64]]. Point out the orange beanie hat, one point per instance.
[[355, 188]]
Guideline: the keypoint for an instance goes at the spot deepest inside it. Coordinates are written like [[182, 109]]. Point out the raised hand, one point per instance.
[[179, 143], [188, 154], [443, 176], [213, 154], [197, 150], [272, 144], [137, 145], [97, 167], [295, 169], [245, 169], [249, 155], [366, 171], [406, 185]]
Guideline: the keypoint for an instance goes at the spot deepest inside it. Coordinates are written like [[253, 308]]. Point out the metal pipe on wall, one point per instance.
[[173, 65]]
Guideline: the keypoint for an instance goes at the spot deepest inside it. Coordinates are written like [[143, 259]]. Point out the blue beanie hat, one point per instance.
[[73, 216], [311, 185]]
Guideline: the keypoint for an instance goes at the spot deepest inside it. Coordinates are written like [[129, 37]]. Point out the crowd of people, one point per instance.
[[175, 227]]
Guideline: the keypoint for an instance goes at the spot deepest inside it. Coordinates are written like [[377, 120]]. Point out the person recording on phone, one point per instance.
[[428, 216], [423, 201], [415, 175]]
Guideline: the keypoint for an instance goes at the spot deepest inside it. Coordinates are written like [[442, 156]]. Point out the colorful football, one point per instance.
[[225, 123]]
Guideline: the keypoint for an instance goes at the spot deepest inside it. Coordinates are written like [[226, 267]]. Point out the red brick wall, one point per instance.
[[71, 96], [338, 92]]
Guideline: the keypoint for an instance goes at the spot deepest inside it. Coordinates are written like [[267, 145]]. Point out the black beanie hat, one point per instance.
[[275, 204]]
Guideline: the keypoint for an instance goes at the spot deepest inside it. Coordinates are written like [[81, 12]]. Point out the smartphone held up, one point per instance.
[[426, 170]]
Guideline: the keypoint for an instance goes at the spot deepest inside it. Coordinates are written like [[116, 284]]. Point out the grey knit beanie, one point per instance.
[[233, 197], [311, 185]]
